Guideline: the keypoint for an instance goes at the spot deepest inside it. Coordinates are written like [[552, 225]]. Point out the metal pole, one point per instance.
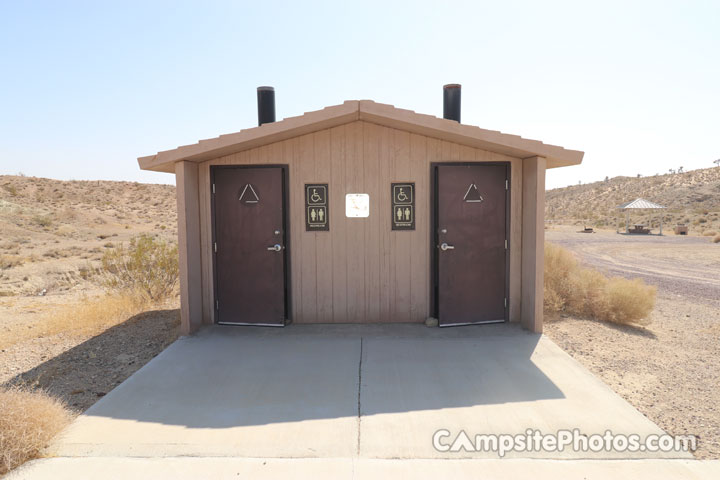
[[627, 221]]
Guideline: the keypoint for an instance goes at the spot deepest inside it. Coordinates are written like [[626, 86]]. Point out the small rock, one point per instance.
[[431, 322]]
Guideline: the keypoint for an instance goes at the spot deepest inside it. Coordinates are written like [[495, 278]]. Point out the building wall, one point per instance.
[[360, 271]]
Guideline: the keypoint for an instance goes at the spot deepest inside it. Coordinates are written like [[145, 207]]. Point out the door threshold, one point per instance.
[[252, 324], [486, 322]]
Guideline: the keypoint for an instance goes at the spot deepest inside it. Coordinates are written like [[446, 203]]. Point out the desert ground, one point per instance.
[[669, 369], [52, 237]]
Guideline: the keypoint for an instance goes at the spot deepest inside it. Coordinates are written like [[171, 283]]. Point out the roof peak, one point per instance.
[[362, 110]]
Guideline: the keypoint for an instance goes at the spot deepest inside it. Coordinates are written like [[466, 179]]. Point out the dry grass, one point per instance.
[[29, 420], [716, 239], [585, 292], [88, 317], [709, 233]]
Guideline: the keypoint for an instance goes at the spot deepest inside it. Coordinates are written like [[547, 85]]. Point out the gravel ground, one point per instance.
[[670, 369], [81, 370]]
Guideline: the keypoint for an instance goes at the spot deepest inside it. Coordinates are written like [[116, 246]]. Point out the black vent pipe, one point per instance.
[[266, 105], [451, 102]]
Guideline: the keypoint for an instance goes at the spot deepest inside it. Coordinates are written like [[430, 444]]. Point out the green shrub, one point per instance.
[[148, 267]]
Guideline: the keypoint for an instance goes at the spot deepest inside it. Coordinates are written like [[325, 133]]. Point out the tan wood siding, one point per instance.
[[359, 271]]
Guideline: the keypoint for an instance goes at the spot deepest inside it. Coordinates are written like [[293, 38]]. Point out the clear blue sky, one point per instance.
[[86, 87]]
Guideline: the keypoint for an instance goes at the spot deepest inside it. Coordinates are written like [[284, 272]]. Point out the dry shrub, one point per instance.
[[43, 220], [586, 292], [11, 189], [148, 267], [66, 230], [10, 261], [716, 239], [630, 301], [558, 265], [85, 318], [29, 420], [709, 233]]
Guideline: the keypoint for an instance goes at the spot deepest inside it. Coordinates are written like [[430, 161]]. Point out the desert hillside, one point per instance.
[[691, 198], [53, 233]]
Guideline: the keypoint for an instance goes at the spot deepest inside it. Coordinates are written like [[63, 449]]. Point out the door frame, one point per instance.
[[285, 169], [433, 237]]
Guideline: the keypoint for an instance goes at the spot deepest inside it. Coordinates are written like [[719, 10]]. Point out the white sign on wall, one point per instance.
[[357, 205]]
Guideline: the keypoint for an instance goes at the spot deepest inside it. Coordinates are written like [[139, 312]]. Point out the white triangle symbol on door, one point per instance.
[[250, 191], [472, 195]]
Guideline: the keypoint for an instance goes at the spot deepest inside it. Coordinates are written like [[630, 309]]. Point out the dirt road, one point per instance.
[[680, 265], [670, 369]]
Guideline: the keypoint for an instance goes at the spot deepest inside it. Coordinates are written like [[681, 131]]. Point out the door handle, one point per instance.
[[444, 246], [276, 248]]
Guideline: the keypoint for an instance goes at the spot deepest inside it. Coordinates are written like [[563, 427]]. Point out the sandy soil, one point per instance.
[[670, 369], [82, 368]]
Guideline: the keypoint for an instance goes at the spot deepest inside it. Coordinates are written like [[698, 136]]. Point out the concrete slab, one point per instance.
[[230, 391], [189, 468], [411, 388], [344, 391]]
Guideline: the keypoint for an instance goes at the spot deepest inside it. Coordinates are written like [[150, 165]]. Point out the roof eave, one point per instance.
[[366, 110], [494, 141], [252, 137]]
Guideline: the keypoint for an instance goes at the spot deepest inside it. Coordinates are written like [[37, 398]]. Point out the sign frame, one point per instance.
[[402, 205], [318, 203]]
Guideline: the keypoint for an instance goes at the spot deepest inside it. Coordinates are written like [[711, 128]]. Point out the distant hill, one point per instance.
[[692, 198], [53, 232]]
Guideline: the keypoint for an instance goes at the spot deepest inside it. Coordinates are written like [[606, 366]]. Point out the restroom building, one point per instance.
[[362, 213]]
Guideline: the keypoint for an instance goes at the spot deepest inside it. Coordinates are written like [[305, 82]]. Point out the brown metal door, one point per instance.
[[250, 259], [471, 229]]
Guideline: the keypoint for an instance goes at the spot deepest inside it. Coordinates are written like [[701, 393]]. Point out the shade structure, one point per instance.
[[638, 204]]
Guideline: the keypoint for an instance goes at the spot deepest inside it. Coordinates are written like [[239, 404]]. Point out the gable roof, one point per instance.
[[639, 203], [369, 111]]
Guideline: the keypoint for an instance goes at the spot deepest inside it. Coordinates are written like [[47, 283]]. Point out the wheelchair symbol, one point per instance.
[[402, 193], [315, 197]]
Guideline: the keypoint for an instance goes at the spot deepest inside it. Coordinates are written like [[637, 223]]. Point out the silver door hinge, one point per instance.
[[213, 188], [506, 244], [505, 302], [507, 186], [215, 247], [217, 304]]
